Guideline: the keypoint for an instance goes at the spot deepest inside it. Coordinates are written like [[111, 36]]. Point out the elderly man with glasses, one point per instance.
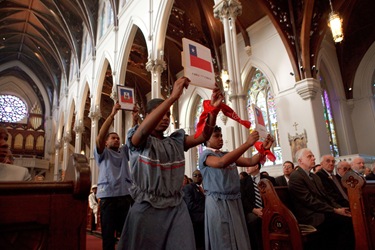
[[330, 181]]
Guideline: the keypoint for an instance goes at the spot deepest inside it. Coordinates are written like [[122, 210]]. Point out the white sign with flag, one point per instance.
[[197, 63], [260, 125]]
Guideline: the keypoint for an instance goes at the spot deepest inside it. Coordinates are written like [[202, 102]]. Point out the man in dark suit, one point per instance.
[[371, 176], [314, 206], [330, 181], [252, 209], [288, 168], [194, 198]]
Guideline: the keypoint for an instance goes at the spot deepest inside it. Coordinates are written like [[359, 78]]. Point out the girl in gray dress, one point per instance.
[[225, 224], [159, 218]]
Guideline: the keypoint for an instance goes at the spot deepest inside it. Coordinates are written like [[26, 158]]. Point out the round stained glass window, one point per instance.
[[12, 108]]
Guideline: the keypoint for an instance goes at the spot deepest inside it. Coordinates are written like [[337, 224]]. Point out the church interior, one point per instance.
[[61, 63]]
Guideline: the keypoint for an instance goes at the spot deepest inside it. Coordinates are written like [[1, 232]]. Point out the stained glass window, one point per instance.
[[12, 108], [330, 124], [259, 93]]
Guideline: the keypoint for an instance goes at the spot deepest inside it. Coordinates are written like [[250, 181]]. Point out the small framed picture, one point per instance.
[[126, 97]]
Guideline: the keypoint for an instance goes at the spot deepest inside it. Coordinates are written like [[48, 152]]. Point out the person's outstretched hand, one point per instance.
[[179, 86], [116, 108], [217, 97], [253, 137], [267, 143]]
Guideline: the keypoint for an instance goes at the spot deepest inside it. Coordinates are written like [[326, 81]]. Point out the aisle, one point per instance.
[[93, 242]]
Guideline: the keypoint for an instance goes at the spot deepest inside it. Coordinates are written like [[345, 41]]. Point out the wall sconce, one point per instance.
[[225, 79], [335, 23]]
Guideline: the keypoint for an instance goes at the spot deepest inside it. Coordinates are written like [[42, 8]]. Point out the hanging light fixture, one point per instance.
[[335, 23]]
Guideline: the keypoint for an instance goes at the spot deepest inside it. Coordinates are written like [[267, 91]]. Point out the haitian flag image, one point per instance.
[[126, 97], [197, 63]]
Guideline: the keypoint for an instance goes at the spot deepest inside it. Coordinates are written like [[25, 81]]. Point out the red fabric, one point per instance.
[[264, 152], [207, 108]]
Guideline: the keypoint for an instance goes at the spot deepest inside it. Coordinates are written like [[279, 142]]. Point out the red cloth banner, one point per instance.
[[207, 108]]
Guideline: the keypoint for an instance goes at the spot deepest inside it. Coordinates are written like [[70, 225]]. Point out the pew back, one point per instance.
[[362, 206], [280, 228], [45, 215]]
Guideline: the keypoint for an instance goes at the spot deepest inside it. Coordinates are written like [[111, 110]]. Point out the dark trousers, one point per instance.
[[199, 234], [254, 229], [113, 212], [336, 232], [93, 224]]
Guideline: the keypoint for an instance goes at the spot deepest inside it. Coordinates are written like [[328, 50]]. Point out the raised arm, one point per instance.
[[100, 139], [251, 161], [216, 99], [229, 158], [153, 119]]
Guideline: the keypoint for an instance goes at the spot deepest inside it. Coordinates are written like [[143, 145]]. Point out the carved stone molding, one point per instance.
[[308, 88]]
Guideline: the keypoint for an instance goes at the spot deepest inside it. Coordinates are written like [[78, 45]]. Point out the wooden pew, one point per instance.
[[362, 206], [46, 215], [280, 229]]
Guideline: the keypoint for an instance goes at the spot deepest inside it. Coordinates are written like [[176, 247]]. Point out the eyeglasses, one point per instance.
[[197, 175], [345, 169]]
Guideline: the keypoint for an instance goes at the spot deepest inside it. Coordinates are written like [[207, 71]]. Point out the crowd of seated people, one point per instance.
[[327, 205]]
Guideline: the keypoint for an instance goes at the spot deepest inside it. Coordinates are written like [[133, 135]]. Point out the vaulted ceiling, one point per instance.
[[44, 34]]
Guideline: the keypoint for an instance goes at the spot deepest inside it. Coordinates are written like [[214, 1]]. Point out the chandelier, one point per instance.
[[335, 23]]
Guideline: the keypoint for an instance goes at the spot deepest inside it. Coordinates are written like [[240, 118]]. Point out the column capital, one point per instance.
[[95, 112], [58, 144], [308, 88], [67, 137], [157, 65], [227, 8]]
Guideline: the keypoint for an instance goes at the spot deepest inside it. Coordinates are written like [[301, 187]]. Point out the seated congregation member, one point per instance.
[[288, 168], [114, 181], [243, 175], [358, 165], [316, 168], [8, 171], [366, 172], [330, 182], [371, 176], [225, 225], [256, 175], [159, 218], [314, 206], [341, 169], [252, 207], [194, 198]]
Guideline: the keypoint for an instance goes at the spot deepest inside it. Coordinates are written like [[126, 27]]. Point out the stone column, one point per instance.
[[79, 129], [227, 11], [57, 160], [66, 139], [94, 115], [156, 67]]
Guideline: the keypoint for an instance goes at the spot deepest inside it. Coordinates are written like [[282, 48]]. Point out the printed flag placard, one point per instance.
[[126, 97], [197, 63], [260, 125]]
